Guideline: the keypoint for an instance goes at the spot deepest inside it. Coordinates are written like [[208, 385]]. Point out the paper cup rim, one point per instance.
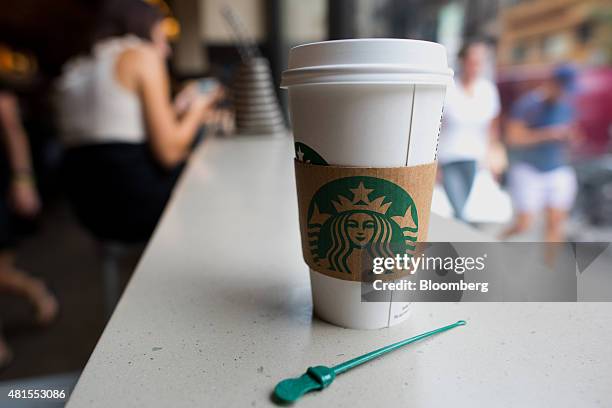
[[370, 40], [368, 60], [366, 74]]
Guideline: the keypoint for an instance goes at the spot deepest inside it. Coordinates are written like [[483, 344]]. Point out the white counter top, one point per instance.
[[218, 311]]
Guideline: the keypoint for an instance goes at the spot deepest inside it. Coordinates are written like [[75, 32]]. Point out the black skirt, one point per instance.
[[118, 191]]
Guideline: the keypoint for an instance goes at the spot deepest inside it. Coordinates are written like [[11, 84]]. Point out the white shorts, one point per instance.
[[532, 190]]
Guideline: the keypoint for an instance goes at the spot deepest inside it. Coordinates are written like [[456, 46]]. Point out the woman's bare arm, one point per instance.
[[15, 139], [170, 136], [22, 193]]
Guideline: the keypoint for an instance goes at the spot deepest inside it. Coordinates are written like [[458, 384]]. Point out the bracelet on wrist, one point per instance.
[[24, 176]]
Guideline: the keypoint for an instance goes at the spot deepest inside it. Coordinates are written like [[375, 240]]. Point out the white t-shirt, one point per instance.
[[467, 120], [93, 107]]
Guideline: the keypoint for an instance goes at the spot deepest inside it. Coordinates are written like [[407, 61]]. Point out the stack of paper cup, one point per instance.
[[366, 103], [257, 109]]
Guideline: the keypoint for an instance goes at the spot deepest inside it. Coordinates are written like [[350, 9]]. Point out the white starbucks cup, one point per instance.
[[365, 103]]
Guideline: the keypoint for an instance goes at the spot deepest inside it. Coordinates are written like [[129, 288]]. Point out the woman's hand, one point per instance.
[[191, 95], [24, 198], [208, 100], [186, 97]]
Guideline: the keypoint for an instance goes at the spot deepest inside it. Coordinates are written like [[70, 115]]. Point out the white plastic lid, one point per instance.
[[370, 60]]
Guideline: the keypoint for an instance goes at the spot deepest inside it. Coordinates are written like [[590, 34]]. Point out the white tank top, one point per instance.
[[93, 107]]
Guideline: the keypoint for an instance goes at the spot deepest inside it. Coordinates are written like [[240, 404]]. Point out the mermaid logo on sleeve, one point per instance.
[[359, 218]]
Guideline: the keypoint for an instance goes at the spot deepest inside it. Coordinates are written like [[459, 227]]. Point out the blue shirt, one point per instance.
[[536, 112]]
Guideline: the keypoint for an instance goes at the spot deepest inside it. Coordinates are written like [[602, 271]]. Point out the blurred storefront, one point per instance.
[[545, 32], [537, 35]]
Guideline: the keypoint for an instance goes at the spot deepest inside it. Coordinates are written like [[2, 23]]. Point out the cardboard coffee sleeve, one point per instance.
[[351, 215]]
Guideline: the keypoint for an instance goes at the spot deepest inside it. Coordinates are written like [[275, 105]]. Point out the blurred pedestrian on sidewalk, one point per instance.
[[18, 199], [540, 178], [470, 125]]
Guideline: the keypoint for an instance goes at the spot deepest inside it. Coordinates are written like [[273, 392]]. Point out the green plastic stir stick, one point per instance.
[[319, 377]]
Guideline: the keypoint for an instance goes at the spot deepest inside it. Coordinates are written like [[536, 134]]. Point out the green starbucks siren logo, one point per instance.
[[306, 154], [353, 219]]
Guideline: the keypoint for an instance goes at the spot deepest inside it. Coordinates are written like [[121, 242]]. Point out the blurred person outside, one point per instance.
[[19, 199], [470, 126], [540, 178], [125, 140]]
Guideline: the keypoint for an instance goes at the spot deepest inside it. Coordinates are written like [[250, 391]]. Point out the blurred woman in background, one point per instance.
[[126, 141], [470, 126], [18, 199]]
